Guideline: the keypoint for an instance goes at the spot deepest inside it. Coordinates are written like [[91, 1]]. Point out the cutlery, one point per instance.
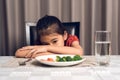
[[24, 62]]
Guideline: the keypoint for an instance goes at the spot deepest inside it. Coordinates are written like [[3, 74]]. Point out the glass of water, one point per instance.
[[103, 47]]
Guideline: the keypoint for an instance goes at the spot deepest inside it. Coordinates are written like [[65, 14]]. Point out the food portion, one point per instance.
[[64, 58], [68, 58]]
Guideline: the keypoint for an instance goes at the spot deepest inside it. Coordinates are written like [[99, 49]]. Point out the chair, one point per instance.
[[31, 35]]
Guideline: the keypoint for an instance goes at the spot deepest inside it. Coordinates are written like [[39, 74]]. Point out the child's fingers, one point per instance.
[[40, 54], [29, 54], [37, 52], [41, 50], [27, 47]]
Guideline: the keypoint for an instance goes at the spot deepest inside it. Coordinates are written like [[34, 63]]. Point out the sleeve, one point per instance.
[[71, 39]]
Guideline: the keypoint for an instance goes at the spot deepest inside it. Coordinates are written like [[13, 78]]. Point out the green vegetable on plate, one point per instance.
[[68, 58]]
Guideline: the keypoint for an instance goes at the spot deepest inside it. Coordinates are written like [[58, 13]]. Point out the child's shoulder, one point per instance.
[[72, 37]]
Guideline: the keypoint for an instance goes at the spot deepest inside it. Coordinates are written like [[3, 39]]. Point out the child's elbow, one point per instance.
[[17, 53]]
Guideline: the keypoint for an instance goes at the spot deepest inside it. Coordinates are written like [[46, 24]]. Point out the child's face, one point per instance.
[[54, 39]]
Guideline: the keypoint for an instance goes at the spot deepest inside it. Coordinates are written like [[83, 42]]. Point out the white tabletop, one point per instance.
[[88, 70]]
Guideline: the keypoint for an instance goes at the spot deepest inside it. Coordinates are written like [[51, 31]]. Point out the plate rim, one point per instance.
[[69, 63]]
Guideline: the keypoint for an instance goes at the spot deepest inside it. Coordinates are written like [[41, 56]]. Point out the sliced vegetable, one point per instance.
[[50, 59]]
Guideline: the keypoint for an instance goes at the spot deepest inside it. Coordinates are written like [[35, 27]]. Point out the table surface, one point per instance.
[[10, 70]]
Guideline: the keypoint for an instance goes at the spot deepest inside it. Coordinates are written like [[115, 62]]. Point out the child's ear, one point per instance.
[[65, 35]]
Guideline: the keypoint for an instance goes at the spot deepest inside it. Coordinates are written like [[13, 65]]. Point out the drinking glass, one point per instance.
[[103, 47]]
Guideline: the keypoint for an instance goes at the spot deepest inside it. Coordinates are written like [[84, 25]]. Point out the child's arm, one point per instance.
[[74, 49], [26, 53], [21, 53]]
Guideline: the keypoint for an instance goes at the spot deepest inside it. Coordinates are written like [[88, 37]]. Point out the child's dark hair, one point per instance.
[[48, 25]]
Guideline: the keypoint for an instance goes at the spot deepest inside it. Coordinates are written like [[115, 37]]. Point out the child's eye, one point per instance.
[[54, 42]]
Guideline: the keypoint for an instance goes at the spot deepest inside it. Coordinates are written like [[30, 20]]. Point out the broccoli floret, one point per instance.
[[64, 59], [77, 57], [58, 58], [68, 58]]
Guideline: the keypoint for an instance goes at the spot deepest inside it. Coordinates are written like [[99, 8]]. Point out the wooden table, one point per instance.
[[88, 70]]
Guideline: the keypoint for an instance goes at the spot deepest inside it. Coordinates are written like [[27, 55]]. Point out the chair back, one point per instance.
[[31, 33]]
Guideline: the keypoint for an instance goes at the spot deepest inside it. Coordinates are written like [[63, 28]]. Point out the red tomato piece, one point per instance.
[[50, 59]]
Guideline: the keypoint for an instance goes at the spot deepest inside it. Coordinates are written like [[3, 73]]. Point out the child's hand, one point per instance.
[[34, 50], [21, 53], [28, 47], [40, 54]]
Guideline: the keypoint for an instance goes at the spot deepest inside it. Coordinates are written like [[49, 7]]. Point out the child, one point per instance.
[[52, 39]]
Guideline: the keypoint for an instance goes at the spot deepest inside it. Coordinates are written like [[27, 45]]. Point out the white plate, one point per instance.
[[44, 57]]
